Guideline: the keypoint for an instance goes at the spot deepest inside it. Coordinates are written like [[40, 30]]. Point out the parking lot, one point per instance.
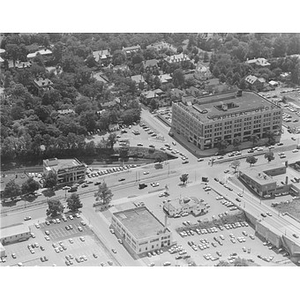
[[66, 243]]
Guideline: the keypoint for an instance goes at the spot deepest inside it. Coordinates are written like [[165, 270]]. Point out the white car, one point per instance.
[[146, 173], [295, 150]]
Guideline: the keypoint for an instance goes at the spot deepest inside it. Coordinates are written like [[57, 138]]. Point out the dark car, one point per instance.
[[238, 199], [263, 215], [121, 179], [142, 186]]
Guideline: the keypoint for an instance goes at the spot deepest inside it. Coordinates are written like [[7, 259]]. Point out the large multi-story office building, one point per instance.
[[140, 230], [67, 170], [208, 120]]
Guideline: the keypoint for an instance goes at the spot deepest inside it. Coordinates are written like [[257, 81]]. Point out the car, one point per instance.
[[226, 171], [82, 223], [146, 173], [185, 162], [112, 231], [71, 217], [37, 225], [295, 235], [263, 215], [47, 238], [140, 144], [269, 214], [114, 250], [238, 199], [200, 159], [71, 241], [42, 248], [27, 218], [82, 239], [47, 232], [121, 179], [80, 228], [84, 185], [295, 151], [13, 255]]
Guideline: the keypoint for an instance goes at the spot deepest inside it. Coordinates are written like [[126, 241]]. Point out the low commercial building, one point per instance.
[[13, 234], [67, 170], [186, 205], [140, 230], [226, 116], [269, 180]]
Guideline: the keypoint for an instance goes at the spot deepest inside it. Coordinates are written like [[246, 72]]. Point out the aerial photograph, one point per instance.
[[150, 149]]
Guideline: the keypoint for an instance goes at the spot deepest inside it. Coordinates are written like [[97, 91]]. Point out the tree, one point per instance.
[[236, 142], [235, 164], [271, 137], [184, 178], [104, 194], [55, 208], [50, 180], [251, 160], [178, 78], [111, 140], [205, 57], [254, 139], [30, 186], [269, 156], [11, 189], [222, 145], [73, 202]]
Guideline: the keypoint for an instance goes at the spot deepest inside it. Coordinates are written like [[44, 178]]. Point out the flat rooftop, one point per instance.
[[258, 175], [140, 222], [13, 230], [210, 107], [58, 164]]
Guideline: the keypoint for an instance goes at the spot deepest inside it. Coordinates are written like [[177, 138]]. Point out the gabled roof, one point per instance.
[[150, 63], [164, 78], [41, 52], [101, 54], [131, 48], [262, 62], [43, 82], [138, 78], [177, 58]]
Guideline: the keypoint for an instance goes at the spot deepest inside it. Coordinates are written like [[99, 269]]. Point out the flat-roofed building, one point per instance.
[[67, 170], [190, 205], [140, 230], [268, 180], [226, 116], [13, 234], [131, 49]]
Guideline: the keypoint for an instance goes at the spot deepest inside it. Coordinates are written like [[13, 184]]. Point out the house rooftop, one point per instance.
[[138, 78], [41, 82], [140, 222]]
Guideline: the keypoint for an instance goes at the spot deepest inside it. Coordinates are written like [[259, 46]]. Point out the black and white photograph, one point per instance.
[[153, 148]]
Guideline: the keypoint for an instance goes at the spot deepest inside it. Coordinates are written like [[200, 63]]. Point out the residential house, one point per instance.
[[102, 56], [45, 53], [158, 46], [165, 78], [258, 62], [177, 58], [273, 84], [42, 85], [131, 49], [66, 112], [255, 82], [202, 72], [113, 103], [150, 65], [138, 79], [23, 64]]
